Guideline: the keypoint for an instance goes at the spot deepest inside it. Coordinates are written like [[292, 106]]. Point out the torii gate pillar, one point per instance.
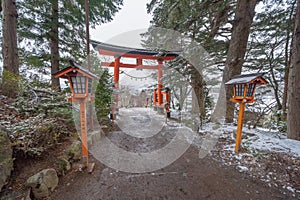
[[154, 98], [159, 85], [116, 77]]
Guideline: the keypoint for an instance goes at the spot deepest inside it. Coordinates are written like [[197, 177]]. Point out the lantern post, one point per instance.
[[244, 88], [80, 80]]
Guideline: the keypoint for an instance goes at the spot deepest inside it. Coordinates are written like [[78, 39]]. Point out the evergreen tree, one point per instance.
[[9, 48], [103, 95], [269, 48], [244, 14], [102, 88], [60, 25], [294, 80]]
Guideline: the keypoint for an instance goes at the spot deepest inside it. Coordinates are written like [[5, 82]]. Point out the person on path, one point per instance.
[[167, 111]]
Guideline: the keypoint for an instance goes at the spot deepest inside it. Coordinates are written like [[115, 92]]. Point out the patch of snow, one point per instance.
[[238, 156], [289, 188], [242, 168], [271, 142], [261, 139]]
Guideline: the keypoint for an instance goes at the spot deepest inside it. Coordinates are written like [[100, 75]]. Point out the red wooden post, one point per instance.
[[139, 62], [168, 96], [238, 140], [159, 85], [154, 98], [84, 143], [116, 77], [117, 69]]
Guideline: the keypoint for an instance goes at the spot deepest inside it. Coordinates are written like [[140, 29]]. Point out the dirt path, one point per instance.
[[189, 177]]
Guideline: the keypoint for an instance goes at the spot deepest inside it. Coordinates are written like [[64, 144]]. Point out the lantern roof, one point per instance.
[[247, 78], [74, 70], [113, 50]]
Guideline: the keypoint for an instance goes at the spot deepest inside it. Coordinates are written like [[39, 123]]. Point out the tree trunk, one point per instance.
[[293, 123], [287, 63], [9, 48], [285, 91], [238, 45], [275, 87], [54, 45]]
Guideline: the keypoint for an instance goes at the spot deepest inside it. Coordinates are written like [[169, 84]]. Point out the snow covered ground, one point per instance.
[[264, 140], [258, 139], [267, 155]]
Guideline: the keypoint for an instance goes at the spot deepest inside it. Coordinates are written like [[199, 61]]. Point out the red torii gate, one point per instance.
[[139, 54]]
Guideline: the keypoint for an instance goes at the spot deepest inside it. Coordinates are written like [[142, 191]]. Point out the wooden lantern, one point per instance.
[[80, 80], [244, 88]]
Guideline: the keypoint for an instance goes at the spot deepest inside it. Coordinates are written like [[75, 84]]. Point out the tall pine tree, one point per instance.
[[9, 48], [244, 14], [50, 32]]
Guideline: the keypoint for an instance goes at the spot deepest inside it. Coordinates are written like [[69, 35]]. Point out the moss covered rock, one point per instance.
[[43, 183], [6, 160], [74, 151]]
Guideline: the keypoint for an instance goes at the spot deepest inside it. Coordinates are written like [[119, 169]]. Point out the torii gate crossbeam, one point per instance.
[[139, 54]]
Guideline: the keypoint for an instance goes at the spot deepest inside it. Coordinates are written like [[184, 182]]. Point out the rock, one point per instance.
[[217, 126], [63, 165], [74, 151], [43, 183], [6, 160], [27, 197]]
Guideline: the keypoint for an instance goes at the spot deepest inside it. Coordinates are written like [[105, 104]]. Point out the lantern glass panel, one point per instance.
[[90, 85], [250, 90], [239, 90], [78, 83]]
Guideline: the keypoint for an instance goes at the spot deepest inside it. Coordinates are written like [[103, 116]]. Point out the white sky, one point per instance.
[[124, 30], [126, 25]]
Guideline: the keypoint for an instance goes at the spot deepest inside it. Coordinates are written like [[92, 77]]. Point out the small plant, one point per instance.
[[41, 117], [103, 96], [282, 126]]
